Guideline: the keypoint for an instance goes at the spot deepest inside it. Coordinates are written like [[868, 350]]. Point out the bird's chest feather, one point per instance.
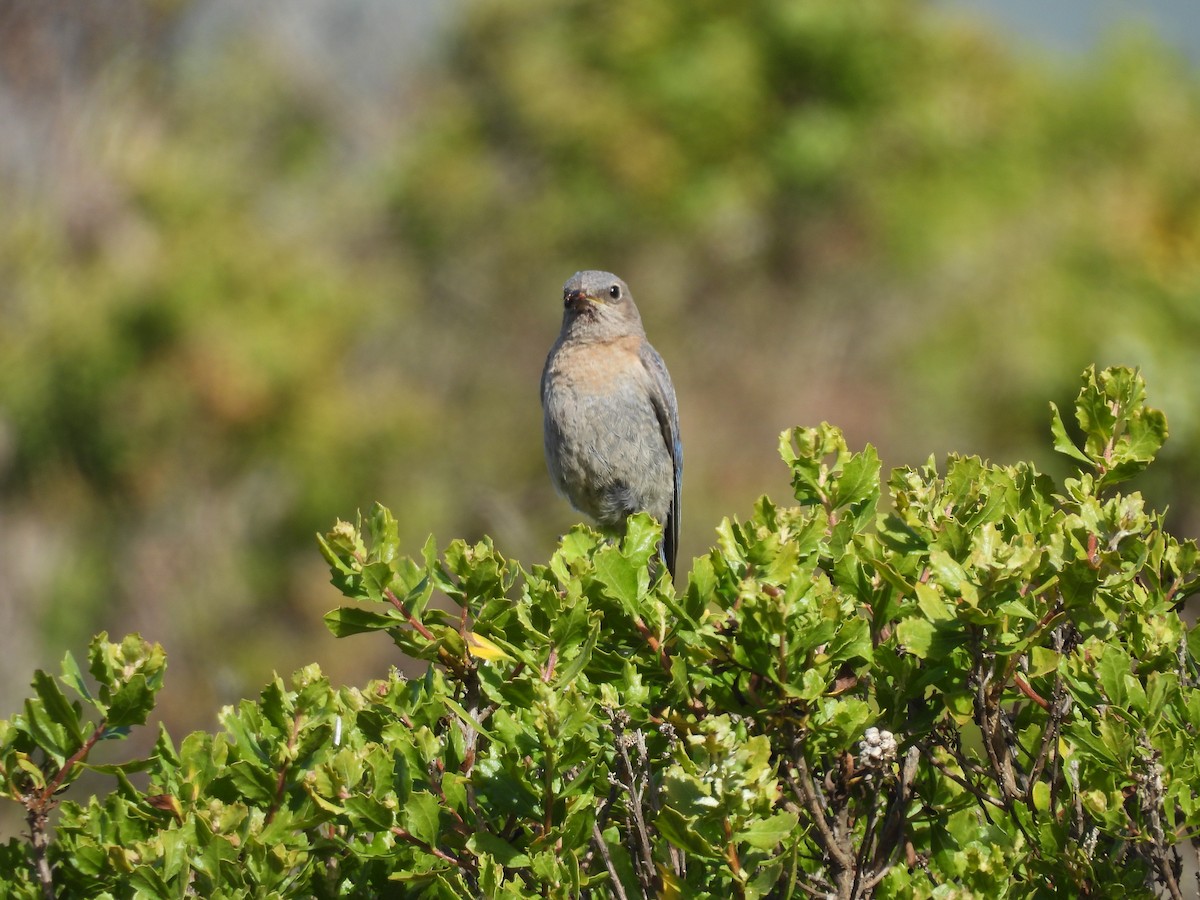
[[596, 368], [598, 377], [597, 406]]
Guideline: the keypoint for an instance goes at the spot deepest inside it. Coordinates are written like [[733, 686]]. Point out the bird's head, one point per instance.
[[598, 306]]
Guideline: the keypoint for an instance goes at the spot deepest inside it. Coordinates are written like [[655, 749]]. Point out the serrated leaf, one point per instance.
[[422, 817], [1062, 442], [1112, 672], [132, 703], [498, 848], [619, 576], [255, 784], [767, 834], [57, 707], [676, 829], [916, 635], [370, 812], [348, 620], [931, 602]]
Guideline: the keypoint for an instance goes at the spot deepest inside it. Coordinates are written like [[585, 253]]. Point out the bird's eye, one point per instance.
[[615, 292]]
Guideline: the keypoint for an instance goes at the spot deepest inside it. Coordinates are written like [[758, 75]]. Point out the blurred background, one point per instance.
[[262, 265]]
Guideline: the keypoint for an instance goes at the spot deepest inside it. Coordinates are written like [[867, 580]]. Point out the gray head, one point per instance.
[[597, 306]]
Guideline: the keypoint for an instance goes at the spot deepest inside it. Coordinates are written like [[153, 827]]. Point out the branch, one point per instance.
[[894, 821], [412, 620], [1029, 692], [1150, 797], [281, 782], [988, 716], [1060, 705], [804, 790], [443, 654], [77, 757], [602, 849], [40, 841], [655, 644], [639, 833], [410, 838], [39, 803], [969, 787], [822, 892]]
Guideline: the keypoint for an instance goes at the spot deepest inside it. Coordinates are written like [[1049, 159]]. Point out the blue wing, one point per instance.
[[662, 395]]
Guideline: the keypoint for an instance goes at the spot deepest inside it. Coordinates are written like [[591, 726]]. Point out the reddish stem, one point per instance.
[[1029, 692]]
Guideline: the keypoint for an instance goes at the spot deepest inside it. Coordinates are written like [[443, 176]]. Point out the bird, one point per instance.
[[610, 416]]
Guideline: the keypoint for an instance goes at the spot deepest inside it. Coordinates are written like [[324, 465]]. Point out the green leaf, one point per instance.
[[767, 834], [858, 481], [498, 848], [952, 575], [469, 719], [49, 735], [1042, 661], [58, 708], [385, 541], [1113, 672], [931, 602], [683, 834], [348, 620], [929, 640], [132, 703], [620, 577], [1062, 442], [1041, 796], [1122, 434], [422, 817], [583, 655], [255, 784], [72, 675], [370, 813], [916, 635]]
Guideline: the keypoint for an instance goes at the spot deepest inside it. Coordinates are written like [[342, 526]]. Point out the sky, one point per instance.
[[1074, 26]]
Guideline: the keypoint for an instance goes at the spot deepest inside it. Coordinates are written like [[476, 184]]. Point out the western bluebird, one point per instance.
[[611, 420]]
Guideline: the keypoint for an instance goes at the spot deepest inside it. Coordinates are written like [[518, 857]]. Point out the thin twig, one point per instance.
[[410, 838], [823, 891], [77, 757], [1029, 692], [894, 821], [40, 841], [39, 803], [654, 643], [602, 849], [643, 853], [1150, 796], [1060, 705], [968, 786], [447, 659], [864, 848], [988, 715], [412, 620], [802, 785]]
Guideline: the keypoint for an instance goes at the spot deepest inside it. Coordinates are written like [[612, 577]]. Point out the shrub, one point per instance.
[[984, 689]]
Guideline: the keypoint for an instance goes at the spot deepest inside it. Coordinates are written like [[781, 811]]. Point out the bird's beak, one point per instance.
[[577, 301]]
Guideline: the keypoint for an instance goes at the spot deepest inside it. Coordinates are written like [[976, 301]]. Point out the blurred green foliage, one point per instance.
[[240, 309]]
